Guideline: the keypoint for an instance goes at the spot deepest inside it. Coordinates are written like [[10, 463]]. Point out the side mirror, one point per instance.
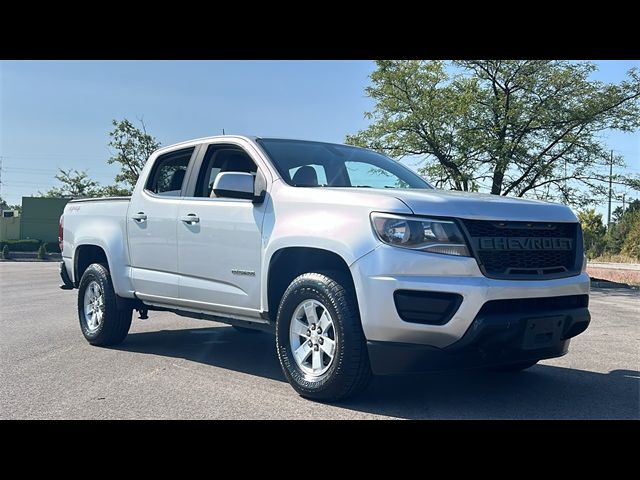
[[234, 185]]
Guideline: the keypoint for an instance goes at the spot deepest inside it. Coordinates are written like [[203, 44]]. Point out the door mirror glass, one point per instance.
[[234, 185]]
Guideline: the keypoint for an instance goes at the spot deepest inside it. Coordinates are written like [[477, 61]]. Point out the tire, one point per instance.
[[113, 324], [348, 371], [245, 329], [514, 367]]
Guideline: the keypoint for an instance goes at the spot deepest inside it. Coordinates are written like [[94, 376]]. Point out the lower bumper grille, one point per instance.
[[430, 308]]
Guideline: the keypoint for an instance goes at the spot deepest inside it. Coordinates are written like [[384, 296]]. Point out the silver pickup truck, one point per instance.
[[357, 264]]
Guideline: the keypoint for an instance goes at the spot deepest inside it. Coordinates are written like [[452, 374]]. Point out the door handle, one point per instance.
[[190, 218], [139, 217]]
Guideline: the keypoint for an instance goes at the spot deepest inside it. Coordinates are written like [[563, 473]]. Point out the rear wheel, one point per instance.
[[101, 321], [514, 367], [320, 343]]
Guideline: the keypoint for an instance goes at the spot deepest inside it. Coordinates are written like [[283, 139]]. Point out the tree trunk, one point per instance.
[[496, 185]]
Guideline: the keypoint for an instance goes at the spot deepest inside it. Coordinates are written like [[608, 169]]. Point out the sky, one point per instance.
[[57, 114]]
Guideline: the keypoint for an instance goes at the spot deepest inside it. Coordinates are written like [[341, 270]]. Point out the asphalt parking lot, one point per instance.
[[171, 367]]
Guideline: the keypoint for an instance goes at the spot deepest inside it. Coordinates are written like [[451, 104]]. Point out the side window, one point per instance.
[[363, 174], [168, 174], [321, 176], [218, 159]]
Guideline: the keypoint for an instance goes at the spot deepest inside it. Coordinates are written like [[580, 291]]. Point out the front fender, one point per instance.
[[311, 218]]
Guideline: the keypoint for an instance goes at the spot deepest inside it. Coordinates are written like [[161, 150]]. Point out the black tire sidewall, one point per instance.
[[305, 288], [98, 274], [116, 321]]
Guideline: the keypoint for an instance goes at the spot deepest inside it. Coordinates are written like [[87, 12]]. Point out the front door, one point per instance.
[[151, 228], [220, 240]]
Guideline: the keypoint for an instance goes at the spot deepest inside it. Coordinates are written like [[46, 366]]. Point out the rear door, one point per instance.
[[219, 255], [151, 227]]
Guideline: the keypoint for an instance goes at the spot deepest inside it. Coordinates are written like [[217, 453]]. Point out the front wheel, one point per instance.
[[320, 343], [101, 321]]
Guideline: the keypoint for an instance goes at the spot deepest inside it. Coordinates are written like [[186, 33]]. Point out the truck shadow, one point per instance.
[[543, 391]]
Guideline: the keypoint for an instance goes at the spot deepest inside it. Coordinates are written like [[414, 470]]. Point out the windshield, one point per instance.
[[316, 164]]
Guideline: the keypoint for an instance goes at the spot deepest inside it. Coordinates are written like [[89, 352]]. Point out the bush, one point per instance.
[[42, 252], [21, 245], [5, 252]]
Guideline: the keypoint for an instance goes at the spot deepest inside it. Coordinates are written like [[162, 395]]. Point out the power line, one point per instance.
[[51, 156], [51, 175], [52, 170]]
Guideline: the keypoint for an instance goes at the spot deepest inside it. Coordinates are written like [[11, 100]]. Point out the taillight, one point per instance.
[[61, 232]]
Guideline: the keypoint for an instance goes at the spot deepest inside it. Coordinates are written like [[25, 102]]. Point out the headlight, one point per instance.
[[429, 235]]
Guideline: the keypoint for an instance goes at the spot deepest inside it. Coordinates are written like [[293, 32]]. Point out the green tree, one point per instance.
[[114, 191], [132, 146], [593, 231], [623, 226], [524, 127], [73, 183], [631, 245]]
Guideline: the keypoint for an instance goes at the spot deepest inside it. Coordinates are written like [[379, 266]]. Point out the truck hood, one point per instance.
[[446, 203]]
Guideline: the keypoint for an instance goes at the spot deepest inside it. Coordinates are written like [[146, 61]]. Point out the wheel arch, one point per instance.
[[85, 255], [289, 262]]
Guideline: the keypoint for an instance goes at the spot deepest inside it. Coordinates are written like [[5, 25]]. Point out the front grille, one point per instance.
[[525, 250]]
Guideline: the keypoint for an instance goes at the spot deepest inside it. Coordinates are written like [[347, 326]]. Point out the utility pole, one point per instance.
[[0, 176], [610, 184]]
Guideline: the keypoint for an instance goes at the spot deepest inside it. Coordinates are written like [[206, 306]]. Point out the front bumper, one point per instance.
[[386, 269], [496, 339]]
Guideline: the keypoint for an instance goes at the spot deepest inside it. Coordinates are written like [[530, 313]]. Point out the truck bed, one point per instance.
[[101, 199], [100, 222]]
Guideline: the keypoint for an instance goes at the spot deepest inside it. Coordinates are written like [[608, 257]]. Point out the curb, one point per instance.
[[599, 283]]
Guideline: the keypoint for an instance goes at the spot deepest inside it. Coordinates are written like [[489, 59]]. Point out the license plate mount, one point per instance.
[[543, 332]]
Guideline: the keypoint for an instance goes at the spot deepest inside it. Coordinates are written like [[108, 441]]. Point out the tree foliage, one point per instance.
[[522, 128], [631, 245], [73, 184], [132, 146], [593, 231], [622, 237], [5, 206]]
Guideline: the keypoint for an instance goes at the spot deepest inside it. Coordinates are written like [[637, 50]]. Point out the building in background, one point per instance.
[[9, 225], [40, 216]]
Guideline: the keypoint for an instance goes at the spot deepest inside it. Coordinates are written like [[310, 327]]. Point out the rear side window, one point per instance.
[[169, 172]]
